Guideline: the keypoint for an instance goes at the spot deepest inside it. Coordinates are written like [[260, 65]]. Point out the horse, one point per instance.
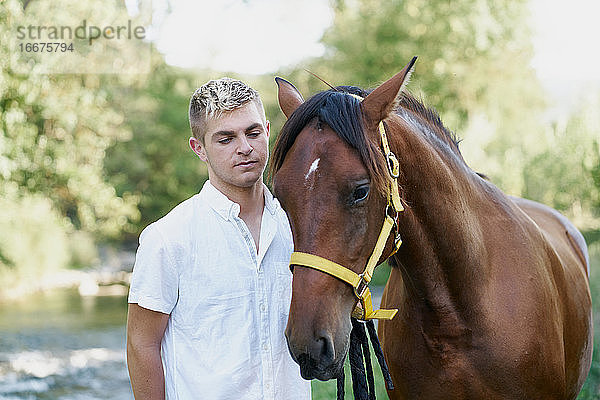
[[492, 291]]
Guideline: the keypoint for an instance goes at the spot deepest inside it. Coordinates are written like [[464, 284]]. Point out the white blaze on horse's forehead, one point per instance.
[[312, 169]]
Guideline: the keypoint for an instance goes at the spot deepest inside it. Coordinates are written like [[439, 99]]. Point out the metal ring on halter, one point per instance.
[[397, 241], [393, 216], [393, 164]]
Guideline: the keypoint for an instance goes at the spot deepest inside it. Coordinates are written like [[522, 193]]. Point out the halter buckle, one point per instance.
[[361, 287]]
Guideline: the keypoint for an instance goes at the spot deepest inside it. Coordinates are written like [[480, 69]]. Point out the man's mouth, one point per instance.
[[246, 163]]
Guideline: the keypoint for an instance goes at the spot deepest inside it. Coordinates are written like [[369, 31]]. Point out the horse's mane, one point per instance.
[[342, 113]]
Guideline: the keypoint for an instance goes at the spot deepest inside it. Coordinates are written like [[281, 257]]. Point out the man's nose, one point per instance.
[[244, 147]]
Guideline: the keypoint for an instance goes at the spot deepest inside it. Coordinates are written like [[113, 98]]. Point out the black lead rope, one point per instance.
[[360, 357], [357, 367], [379, 354], [340, 384]]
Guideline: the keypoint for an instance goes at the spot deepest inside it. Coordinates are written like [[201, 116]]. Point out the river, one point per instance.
[[60, 345]]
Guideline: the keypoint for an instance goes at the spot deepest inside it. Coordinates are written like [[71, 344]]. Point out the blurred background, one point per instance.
[[88, 159]]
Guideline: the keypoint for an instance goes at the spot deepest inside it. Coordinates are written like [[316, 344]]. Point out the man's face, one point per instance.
[[235, 147]]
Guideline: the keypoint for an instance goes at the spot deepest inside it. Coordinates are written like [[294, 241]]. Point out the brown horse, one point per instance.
[[492, 290]]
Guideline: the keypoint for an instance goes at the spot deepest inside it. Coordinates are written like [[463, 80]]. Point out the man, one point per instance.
[[211, 287]]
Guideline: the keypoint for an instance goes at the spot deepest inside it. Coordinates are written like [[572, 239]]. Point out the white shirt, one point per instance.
[[228, 304]]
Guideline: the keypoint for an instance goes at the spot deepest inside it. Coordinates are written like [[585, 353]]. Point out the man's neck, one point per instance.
[[251, 199], [252, 203]]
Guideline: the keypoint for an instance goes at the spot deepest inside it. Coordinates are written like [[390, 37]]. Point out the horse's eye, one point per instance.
[[360, 194]]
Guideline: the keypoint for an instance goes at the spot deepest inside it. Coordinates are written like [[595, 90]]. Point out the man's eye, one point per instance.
[[225, 140], [254, 133]]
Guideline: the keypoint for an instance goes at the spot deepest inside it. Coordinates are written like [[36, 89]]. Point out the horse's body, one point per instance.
[[492, 290]]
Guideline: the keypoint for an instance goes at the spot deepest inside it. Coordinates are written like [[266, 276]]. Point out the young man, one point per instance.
[[211, 287]]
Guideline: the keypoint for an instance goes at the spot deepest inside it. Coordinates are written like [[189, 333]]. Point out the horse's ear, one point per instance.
[[289, 97], [382, 101]]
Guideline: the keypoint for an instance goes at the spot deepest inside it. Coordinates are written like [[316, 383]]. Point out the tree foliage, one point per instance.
[[54, 131], [565, 173], [154, 162]]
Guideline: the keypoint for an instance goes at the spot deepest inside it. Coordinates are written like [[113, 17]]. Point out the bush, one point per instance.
[[33, 240]]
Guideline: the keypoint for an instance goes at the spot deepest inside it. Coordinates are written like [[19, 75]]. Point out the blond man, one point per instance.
[[211, 288]]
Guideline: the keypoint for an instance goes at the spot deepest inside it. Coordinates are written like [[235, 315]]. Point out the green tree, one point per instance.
[[566, 172], [54, 131], [154, 162]]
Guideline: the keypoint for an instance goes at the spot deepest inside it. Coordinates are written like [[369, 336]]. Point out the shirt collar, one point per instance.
[[270, 202], [227, 208]]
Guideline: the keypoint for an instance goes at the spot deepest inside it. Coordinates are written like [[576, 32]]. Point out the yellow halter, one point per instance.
[[360, 282]]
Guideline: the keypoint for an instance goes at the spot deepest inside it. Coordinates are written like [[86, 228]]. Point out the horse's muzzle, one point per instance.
[[318, 359]]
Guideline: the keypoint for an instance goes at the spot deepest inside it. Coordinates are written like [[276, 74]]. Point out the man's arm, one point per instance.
[[145, 329]]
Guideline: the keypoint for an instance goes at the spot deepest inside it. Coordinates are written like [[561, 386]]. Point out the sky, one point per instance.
[[253, 36], [566, 37], [260, 36]]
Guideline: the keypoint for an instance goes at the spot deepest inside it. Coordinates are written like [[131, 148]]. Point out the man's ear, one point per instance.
[[198, 148], [268, 128]]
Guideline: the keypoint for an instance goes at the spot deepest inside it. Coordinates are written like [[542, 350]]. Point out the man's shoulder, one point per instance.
[[184, 214]]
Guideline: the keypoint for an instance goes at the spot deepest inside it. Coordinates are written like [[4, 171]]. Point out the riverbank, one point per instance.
[[109, 276], [59, 345]]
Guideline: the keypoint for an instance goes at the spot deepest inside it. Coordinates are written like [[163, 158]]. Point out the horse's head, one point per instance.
[[329, 173]]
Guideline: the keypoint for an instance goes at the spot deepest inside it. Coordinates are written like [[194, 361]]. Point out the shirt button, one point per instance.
[[265, 347], [262, 308]]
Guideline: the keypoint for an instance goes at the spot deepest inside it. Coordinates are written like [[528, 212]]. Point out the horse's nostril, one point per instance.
[[326, 350]]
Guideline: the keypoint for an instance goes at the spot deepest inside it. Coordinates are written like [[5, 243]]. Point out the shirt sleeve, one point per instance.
[[155, 281]]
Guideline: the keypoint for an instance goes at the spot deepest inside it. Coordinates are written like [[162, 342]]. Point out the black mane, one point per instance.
[[408, 102], [342, 113]]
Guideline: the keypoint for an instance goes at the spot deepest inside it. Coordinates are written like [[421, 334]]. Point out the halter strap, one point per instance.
[[360, 282]]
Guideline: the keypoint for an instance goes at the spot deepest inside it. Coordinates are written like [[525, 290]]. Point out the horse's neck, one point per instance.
[[442, 247]]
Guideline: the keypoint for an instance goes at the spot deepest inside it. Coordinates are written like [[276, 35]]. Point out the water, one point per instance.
[[63, 346]]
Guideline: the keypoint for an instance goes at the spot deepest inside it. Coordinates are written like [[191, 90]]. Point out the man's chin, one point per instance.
[[244, 180], [248, 180]]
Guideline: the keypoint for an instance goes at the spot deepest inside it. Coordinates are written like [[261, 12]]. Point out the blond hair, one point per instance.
[[217, 96]]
